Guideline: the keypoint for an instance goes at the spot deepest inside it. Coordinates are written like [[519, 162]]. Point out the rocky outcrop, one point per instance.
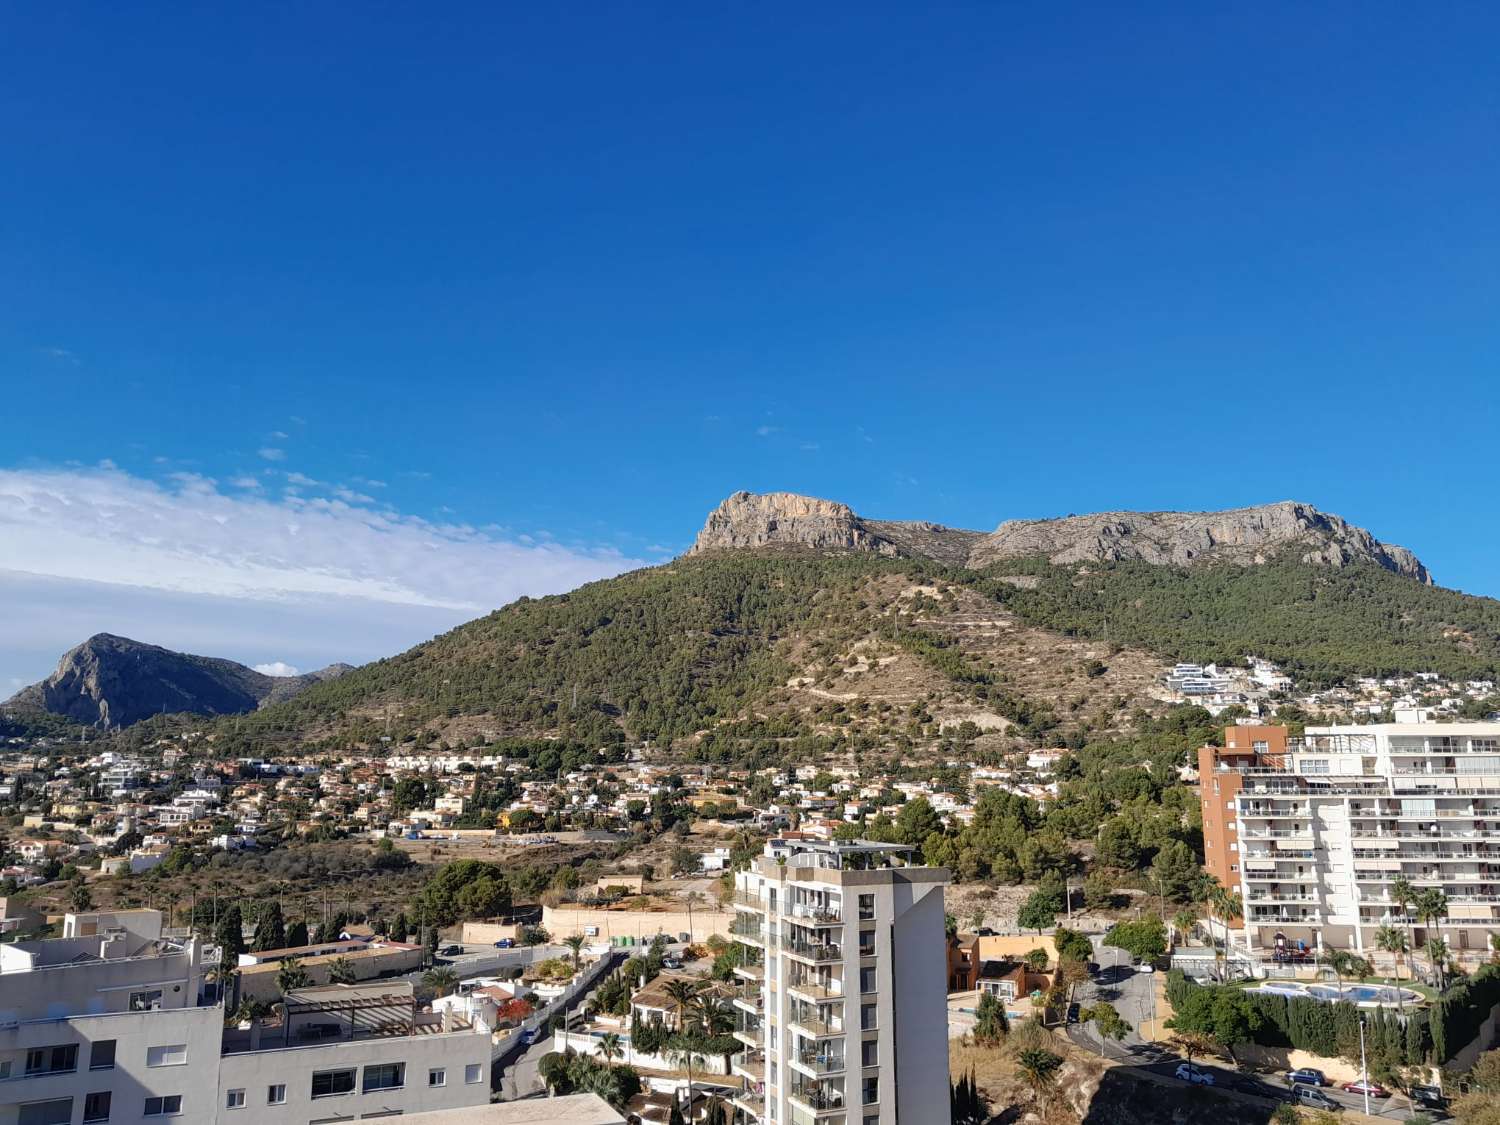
[[113, 681], [1246, 536], [1240, 535], [784, 519]]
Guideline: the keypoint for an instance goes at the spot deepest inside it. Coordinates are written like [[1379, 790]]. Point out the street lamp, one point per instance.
[[1364, 1070]]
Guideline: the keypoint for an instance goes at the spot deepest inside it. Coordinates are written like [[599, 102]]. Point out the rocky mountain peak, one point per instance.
[[1246, 536], [785, 519], [113, 681]]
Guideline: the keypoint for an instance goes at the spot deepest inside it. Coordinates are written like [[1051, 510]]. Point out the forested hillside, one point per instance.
[[1321, 623]]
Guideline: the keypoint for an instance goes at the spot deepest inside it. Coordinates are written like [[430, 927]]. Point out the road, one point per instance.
[[1134, 996]]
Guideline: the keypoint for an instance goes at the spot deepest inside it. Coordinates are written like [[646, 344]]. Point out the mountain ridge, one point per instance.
[[1245, 536], [114, 681]]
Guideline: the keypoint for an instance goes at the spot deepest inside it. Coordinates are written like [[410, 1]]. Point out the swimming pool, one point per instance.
[[1364, 995]]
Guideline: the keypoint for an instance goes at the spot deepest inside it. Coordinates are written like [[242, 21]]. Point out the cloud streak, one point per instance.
[[186, 539]]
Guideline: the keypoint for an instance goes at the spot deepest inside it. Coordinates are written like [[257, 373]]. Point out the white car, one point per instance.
[[1147, 968], [1187, 1072]]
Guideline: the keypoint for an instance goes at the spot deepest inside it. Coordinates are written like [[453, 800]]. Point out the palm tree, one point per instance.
[[1437, 956], [1183, 922], [291, 975], [341, 971], [684, 993], [1336, 960], [1388, 939], [575, 943], [692, 898], [610, 1047], [441, 980], [1403, 894], [1038, 1068]]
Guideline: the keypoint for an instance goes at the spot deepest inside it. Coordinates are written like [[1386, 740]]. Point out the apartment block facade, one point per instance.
[[115, 1023], [1313, 831], [841, 994]]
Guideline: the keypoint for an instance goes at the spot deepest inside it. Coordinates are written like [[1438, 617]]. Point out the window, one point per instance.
[[145, 1001], [172, 1054], [276, 1095], [867, 979], [870, 1089], [873, 1119], [52, 1060], [234, 1099], [869, 1053], [168, 1106], [866, 907], [96, 1106], [385, 1076], [326, 1083], [102, 1055], [473, 1073], [59, 1111], [867, 943], [867, 1016], [437, 1076]]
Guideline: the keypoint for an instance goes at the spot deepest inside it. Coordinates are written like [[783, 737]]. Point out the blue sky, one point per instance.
[[507, 298]]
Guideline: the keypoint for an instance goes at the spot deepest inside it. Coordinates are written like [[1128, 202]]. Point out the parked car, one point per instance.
[[451, 950], [1073, 1010], [1374, 1089], [505, 943], [1314, 1098], [1145, 967], [1307, 1076], [1429, 1097], [671, 963], [1187, 1072]]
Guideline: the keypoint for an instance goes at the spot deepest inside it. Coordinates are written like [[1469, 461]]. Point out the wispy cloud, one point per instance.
[[767, 431], [272, 453], [60, 355], [302, 559]]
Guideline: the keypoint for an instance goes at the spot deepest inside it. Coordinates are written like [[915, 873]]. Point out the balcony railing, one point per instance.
[[818, 990], [817, 1098], [819, 915], [820, 951], [810, 1022], [823, 1062], [748, 932]]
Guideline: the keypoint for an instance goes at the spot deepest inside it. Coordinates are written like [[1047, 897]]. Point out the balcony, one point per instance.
[[814, 989], [1281, 896], [813, 951], [820, 1062], [749, 1031], [817, 1097], [749, 998], [812, 1023], [815, 913], [751, 1064], [755, 971], [748, 901], [750, 933], [750, 1101]]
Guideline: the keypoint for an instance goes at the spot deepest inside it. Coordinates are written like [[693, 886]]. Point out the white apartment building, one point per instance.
[[1325, 828], [842, 990], [113, 1023]]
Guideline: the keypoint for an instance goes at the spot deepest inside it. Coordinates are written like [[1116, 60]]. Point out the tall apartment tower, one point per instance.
[[1219, 782], [842, 986], [1313, 835]]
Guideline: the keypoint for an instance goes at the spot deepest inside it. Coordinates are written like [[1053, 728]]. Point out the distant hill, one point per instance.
[[111, 681]]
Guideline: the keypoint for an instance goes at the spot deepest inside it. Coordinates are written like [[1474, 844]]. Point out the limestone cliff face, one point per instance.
[[1241, 535], [784, 519], [1248, 536], [113, 681]]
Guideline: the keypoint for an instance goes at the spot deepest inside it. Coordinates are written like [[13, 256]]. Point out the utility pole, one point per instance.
[[1364, 1070]]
